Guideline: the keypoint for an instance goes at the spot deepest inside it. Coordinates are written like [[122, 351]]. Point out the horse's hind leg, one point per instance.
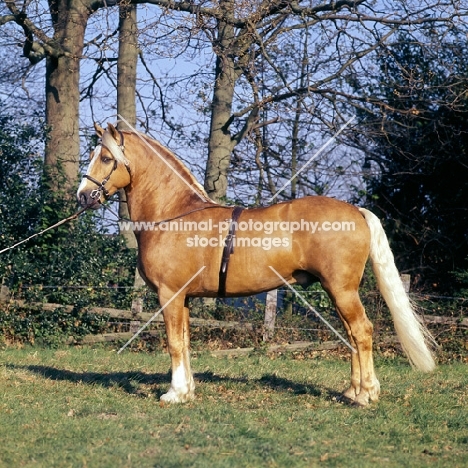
[[364, 383], [352, 392]]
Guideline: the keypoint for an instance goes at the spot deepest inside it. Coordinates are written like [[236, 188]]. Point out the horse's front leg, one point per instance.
[[176, 319]]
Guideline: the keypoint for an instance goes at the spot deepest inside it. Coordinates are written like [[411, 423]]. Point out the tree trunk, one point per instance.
[[126, 107], [270, 314], [220, 144], [126, 89], [127, 64], [62, 153]]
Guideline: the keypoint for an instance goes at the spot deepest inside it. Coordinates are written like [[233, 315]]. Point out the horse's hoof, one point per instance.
[[176, 397], [350, 394], [365, 396], [361, 401]]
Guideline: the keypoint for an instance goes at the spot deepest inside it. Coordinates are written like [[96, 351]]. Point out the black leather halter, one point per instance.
[[96, 193]]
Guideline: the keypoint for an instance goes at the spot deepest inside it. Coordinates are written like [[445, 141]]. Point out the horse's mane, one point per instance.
[[161, 151], [176, 164]]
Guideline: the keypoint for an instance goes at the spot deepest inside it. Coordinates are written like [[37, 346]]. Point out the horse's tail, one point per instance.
[[413, 335]]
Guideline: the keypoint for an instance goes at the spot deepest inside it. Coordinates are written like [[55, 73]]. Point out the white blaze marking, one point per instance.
[[97, 152]]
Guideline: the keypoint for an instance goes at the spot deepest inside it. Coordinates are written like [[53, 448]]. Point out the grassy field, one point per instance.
[[94, 408]]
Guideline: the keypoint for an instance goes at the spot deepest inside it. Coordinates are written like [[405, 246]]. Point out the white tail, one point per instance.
[[413, 335]]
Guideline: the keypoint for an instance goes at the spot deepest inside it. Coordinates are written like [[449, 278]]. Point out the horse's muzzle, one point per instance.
[[86, 201]]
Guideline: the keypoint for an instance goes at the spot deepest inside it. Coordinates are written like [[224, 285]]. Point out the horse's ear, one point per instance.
[[113, 131], [99, 130]]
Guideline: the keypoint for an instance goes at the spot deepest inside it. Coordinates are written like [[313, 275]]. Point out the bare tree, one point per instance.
[[126, 107], [250, 42], [60, 43], [126, 87], [248, 37]]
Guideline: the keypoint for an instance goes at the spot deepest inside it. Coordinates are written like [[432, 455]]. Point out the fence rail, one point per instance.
[[137, 319]]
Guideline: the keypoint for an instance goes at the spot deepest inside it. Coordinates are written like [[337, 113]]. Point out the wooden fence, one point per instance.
[[137, 320]]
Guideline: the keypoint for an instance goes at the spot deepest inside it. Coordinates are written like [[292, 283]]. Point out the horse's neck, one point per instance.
[[156, 192]]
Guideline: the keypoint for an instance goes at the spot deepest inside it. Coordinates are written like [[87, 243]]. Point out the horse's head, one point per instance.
[[108, 169]]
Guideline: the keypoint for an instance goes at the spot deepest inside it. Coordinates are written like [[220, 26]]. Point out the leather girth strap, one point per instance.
[[228, 250]]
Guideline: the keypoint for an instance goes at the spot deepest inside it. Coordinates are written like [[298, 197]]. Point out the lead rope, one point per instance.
[[63, 221], [155, 223]]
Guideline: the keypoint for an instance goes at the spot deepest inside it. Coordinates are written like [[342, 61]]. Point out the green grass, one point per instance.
[[94, 408]]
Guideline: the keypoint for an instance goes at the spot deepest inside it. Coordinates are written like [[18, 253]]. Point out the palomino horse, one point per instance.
[[181, 236]]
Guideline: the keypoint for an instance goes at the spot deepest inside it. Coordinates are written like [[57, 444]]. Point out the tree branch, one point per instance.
[[6, 19], [32, 50]]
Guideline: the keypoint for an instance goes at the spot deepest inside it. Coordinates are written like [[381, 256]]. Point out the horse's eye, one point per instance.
[[106, 160]]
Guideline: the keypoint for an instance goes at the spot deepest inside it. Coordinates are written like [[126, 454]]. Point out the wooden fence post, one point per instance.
[[270, 314], [137, 301], [406, 280], [134, 326], [4, 292]]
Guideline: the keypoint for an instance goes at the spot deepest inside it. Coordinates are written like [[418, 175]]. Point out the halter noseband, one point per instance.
[[96, 193]]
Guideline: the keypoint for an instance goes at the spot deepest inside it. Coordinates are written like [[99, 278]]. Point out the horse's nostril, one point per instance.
[[83, 200]]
